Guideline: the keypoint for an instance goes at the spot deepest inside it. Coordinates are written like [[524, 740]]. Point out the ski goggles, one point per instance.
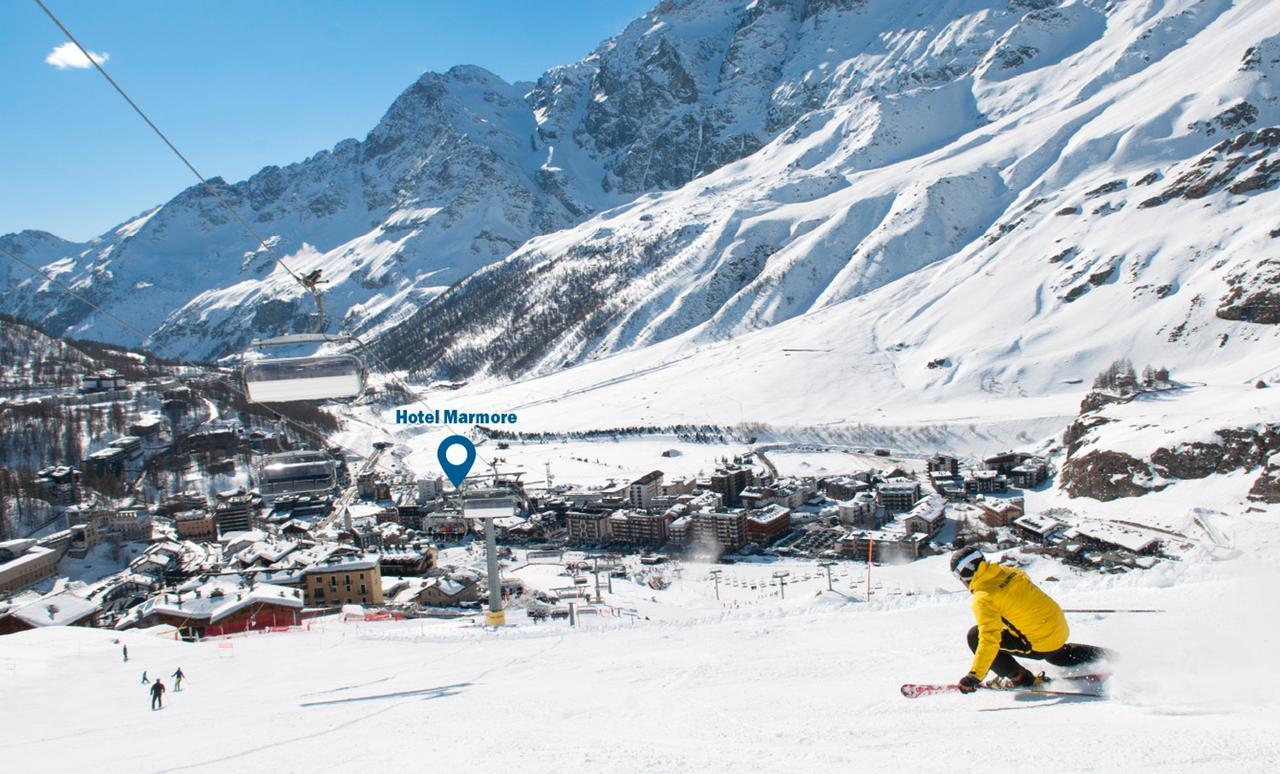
[[967, 565]]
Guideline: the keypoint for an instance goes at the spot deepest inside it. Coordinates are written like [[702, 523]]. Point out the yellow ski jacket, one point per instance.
[[1005, 598]]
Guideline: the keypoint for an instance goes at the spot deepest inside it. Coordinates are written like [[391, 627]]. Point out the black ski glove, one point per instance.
[[969, 683]]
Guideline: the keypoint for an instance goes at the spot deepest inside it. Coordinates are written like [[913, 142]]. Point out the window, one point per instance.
[[320, 593], [362, 589]]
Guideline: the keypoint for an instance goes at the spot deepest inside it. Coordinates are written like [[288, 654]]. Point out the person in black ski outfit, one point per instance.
[[124, 651], [145, 681], [157, 693]]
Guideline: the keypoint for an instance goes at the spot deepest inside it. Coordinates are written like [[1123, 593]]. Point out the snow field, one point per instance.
[[806, 685]]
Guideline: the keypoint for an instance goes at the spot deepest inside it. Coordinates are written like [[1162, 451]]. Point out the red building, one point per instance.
[[221, 607], [764, 526]]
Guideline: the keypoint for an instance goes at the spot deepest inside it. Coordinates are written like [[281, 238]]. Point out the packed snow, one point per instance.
[[803, 684]]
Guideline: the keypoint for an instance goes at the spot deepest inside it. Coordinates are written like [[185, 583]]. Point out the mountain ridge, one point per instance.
[[1062, 162], [720, 168]]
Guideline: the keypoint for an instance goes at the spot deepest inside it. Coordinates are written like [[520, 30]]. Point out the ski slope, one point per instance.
[[809, 683]]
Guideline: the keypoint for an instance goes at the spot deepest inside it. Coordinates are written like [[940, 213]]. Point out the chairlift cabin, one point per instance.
[[309, 377], [297, 472]]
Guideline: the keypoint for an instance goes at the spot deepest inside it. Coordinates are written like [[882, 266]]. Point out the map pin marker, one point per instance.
[[456, 473]]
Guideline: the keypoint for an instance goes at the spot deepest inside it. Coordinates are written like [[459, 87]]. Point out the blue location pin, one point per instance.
[[456, 473]]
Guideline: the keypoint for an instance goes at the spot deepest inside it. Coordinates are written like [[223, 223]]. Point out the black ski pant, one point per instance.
[[156, 701], [1013, 643]]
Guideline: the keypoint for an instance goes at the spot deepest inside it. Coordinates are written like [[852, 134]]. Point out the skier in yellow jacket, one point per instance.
[[1014, 618]]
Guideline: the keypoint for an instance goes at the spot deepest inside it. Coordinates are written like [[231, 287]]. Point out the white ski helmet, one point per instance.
[[965, 562]]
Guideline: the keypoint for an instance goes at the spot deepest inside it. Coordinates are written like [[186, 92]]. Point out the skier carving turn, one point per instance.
[[1015, 618]]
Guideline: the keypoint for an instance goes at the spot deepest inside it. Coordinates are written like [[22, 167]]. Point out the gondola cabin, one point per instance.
[[489, 504], [323, 377], [296, 472]]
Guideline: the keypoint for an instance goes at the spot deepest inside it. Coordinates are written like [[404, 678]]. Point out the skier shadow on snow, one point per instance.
[[347, 687], [1034, 701], [438, 692]]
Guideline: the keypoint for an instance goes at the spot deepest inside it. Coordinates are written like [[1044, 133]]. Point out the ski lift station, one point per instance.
[[297, 472]]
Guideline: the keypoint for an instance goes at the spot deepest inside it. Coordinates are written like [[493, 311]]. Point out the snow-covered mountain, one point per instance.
[[961, 197], [445, 183], [978, 196], [460, 172]]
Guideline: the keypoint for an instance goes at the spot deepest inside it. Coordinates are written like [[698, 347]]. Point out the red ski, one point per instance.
[[916, 690]]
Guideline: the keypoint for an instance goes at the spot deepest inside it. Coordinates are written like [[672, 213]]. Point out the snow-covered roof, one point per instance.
[[18, 600], [29, 555], [243, 538], [1041, 525], [217, 599], [929, 508], [450, 587], [886, 536], [148, 420], [1116, 535], [403, 590], [17, 547], [55, 610], [265, 551], [455, 583], [288, 577], [344, 564], [769, 513], [364, 510]]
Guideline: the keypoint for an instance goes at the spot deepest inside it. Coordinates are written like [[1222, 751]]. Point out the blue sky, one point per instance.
[[237, 85]]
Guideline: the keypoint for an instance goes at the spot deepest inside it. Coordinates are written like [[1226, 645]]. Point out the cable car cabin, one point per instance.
[[324, 377], [296, 472], [489, 504]]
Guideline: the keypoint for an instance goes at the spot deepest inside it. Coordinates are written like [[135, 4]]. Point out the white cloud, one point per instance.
[[67, 55]]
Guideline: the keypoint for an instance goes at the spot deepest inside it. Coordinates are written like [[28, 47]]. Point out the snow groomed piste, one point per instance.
[[806, 684]]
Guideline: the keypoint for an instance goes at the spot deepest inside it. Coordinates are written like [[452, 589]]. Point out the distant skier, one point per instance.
[[157, 694], [177, 679], [124, 651], [144, 678], [1014, 618]]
